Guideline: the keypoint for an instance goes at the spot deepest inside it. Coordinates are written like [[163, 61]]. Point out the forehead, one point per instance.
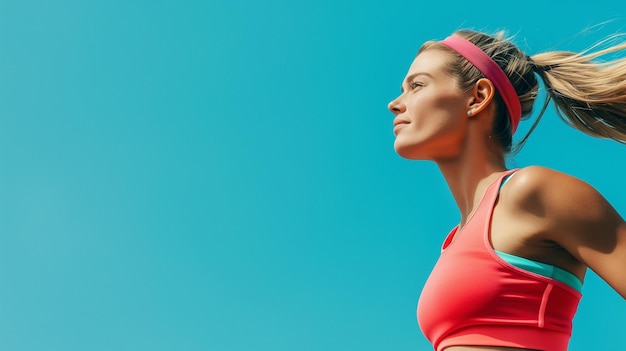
[[431, 62]]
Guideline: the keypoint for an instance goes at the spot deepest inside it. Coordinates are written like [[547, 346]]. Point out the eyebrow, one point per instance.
[[410, 78]]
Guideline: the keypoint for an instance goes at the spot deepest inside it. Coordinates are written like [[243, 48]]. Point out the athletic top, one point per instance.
[[474, 297]]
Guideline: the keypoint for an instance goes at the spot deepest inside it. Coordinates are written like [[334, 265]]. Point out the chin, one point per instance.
[[410, 152], [412, 147], [425, 152]]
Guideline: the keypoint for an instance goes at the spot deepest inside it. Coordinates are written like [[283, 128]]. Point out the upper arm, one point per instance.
[[579, 219]]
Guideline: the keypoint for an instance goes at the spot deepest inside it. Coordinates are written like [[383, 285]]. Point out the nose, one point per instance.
[[396, 106]]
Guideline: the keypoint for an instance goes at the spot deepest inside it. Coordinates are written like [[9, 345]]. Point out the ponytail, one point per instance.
[[589, 96]]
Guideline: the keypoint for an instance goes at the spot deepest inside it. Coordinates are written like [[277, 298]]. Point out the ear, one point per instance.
[[481, 96]]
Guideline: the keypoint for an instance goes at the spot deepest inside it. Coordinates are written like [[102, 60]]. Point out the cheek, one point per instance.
[[452, 105], [439, 112]]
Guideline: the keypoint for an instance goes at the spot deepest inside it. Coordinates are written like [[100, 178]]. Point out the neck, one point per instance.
[[468, 177]]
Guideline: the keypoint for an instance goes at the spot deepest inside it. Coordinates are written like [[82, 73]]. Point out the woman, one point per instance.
[[509, 275]]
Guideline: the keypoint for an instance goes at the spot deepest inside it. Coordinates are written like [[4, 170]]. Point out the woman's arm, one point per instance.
[[579, 219]]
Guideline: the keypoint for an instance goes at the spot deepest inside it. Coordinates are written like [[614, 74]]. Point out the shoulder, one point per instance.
[[536, 178], [558, 203], [541, 189], [566, 207]]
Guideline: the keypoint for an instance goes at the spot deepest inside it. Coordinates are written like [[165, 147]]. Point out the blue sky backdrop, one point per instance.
[[219, 175]]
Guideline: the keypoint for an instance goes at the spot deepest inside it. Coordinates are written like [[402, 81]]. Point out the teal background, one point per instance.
[[220, 175]]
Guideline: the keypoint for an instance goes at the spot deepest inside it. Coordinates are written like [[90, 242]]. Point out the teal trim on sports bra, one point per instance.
[[543, 269], [506, 179]]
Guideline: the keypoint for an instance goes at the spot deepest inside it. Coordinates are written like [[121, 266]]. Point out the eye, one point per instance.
[[415, 85]]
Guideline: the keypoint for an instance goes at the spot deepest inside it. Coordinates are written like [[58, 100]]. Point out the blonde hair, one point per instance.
[[589, 96]]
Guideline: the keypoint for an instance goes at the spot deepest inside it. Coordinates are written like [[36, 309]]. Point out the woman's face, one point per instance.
[[431, 113]]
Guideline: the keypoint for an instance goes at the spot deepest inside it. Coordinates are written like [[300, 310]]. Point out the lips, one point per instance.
[[398, 123]]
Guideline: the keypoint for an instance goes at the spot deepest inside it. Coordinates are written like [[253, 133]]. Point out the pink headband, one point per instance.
[[492, 71]]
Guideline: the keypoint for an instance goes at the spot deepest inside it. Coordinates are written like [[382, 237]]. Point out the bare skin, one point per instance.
[[542, 214]]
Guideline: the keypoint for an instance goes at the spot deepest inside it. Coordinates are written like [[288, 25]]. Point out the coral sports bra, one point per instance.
[[475, 297]]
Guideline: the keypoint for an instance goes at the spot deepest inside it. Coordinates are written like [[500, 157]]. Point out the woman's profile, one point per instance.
[[510, 273]]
